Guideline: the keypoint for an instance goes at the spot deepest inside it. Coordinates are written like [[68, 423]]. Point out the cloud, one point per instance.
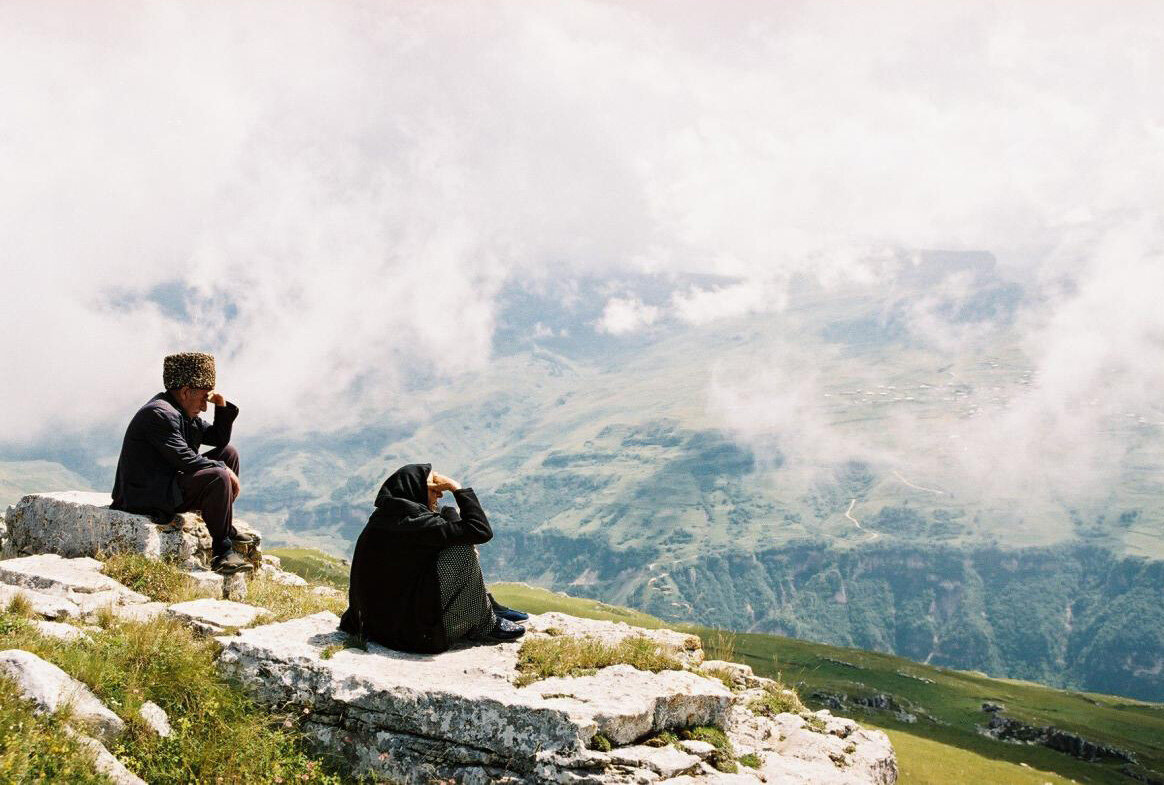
[[331, 196], [626, 314]]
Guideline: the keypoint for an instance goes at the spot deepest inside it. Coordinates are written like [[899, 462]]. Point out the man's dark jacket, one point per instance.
[[394, 597], [160, 442]]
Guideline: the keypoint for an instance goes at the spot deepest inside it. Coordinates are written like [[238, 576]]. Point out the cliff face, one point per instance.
[[1070, 616]]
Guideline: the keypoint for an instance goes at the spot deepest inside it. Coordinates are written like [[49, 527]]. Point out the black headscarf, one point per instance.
[[409, 483]]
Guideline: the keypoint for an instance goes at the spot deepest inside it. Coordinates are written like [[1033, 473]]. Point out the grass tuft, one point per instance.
[[777, 699], [541, 658], [158, 580], [19, 606], [751, 760], [290, 602], [601, 743]]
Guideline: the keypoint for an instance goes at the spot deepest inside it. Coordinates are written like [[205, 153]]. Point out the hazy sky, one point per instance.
[[328, 194]]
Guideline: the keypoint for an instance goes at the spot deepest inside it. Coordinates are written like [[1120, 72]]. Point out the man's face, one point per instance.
[[192, 400]]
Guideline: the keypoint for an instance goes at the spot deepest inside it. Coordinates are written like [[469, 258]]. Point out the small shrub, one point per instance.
[[777, 699], [751, 760], [19, 606], [541, 658], [161, 581], [554, 631], [601, 743]]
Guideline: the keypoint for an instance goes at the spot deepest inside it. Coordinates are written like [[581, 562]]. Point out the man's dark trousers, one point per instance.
[[209, 491]]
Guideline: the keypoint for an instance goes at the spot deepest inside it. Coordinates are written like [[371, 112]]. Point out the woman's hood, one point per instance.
[[408, 483]]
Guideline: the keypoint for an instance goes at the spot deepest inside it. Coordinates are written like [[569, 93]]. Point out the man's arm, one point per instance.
[[164, 435], [218, 434]]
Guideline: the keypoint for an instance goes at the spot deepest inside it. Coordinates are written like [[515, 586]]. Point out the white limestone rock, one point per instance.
[[50, 688], [79, 580], [328, 591], [279, 576], [107, 763], [685, 648], [458, 715], [701, 748], [234, 586], [45, 605], [156, 719], [665, 761], [212, 617], [143, 612], [273, 561], [77, 523], [63, 632], [627, 704], [206, 583]]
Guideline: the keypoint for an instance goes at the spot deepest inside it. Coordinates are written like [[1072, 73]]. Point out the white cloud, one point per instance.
[[342, 189], [626, 314]]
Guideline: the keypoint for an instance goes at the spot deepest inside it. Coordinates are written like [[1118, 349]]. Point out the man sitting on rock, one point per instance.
[[416, 582], [160, 471]]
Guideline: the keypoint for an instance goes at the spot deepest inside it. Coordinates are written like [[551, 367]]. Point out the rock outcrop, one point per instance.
[[80, 523], [461, 715]]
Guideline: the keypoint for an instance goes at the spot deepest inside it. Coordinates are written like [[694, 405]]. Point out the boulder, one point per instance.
[[459, 715], [146, 611], [156, 719], [78, 523], [64, 632], [51, 689], [106, 763], [279, 576], [206, 583], [234, 586], [213, 617]]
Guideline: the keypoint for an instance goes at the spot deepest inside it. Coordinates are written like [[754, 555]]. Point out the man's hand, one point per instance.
[[439, 482], [217, 399], [235, 485]]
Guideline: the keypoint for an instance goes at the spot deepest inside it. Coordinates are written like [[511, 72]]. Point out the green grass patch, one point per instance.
[[541, 658], [751, 760], [157, 580], [219, 735], [313, 566], [290, 602]]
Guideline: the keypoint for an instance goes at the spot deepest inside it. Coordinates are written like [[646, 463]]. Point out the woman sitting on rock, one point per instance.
[[416, 583]]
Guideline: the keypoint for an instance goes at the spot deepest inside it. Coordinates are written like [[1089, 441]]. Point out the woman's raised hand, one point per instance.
[[442, 483]]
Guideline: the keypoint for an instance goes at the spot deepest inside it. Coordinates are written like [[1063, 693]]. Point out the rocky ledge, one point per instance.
[[462, 715]]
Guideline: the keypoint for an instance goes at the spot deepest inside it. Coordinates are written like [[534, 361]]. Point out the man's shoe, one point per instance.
[[505, 630], [509, 614], [230, 563], [241, 538]]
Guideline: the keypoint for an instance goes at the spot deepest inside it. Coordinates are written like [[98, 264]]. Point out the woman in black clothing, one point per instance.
[[416, 582]]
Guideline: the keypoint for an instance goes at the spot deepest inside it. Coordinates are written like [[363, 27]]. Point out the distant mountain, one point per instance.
[[18, 478]]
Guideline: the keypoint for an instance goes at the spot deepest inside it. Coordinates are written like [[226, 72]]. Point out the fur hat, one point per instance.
[[188, 369]]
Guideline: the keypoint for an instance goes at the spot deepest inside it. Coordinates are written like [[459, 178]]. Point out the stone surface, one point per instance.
[[106, 763], [76, 523], [146, 611], [51, 689], [234, 587], [328, 591], [695, 747], [212, 617], [64, 632], [739, 674], [273, 561], [666, 761], [206, 583], [156, 719], [79, 582], [279, 576], [458, 715], [42, 604]]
